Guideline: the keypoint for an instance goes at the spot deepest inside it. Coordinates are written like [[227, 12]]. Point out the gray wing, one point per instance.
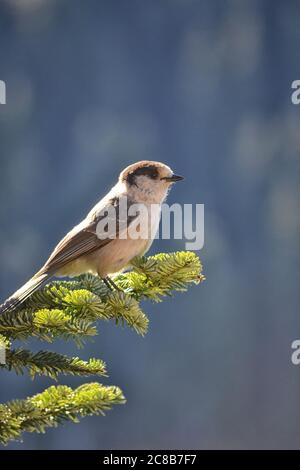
[[85, 237]]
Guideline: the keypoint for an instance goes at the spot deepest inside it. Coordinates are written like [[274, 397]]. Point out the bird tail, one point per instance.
[[24, 292]]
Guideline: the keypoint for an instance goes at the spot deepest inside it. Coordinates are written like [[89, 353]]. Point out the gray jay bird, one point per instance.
[[86, 248]]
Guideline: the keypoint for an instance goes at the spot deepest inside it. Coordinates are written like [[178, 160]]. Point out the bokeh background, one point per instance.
[[204, 86]]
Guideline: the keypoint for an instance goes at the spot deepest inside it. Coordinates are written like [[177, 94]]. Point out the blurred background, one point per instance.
[[204, 86]]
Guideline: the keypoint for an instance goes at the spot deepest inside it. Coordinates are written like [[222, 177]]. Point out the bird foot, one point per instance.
[[110, 283]]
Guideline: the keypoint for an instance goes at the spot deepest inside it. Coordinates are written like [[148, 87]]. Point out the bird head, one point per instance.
[[150, 178]]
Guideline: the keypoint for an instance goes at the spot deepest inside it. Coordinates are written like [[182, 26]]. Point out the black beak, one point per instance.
[[173, 178]]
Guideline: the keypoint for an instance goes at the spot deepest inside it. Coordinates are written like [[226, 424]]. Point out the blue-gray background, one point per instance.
[[204, 86]]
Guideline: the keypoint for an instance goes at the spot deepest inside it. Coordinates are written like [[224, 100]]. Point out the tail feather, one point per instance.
[[24, 292]]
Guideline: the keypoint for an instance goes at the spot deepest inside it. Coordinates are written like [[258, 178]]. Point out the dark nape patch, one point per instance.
[[150, 171]]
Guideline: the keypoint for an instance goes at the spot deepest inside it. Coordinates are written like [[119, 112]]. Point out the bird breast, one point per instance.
[[117, 254]]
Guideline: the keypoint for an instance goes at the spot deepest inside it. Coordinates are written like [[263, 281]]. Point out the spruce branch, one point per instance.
[[4, 342], [45, 324], [156, 276], [51, 364], [81, 304], [54, 406], [70, 310]]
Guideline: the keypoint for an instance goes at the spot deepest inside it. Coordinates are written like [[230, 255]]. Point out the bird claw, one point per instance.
[[110, 284]]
